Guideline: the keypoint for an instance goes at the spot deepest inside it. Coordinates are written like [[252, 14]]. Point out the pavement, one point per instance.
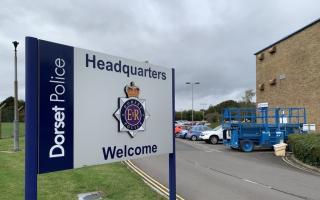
[[206, 171]]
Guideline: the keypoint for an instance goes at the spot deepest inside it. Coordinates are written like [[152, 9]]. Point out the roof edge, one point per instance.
[[298, 31]]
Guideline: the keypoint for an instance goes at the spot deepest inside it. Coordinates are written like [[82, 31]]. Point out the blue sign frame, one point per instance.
[[33, 125], [31, 141]]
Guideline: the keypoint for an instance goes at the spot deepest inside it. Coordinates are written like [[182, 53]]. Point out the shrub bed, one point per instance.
[[306, 147]]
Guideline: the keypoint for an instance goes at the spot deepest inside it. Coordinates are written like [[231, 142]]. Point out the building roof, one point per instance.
[[298, 31]]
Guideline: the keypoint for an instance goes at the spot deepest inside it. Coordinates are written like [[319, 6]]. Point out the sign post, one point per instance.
[[172, 156], [86, 108], [31, 149]]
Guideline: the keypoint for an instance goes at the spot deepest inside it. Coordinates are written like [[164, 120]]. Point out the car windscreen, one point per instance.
[[217, 128]]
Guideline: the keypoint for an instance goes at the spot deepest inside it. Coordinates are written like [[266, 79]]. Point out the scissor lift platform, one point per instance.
[[250, 128]]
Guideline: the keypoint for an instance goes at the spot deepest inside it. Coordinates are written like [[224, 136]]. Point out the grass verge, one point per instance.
[[7, 129], [114, 180]]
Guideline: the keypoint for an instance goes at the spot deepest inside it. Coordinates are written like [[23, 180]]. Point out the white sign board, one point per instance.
[[96, 108], [263, 105], [309, 127]]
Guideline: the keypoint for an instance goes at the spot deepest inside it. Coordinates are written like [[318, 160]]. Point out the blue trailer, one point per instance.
[[250, 128]]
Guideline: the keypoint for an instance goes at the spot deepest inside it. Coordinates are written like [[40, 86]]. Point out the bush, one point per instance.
[[306, 147]]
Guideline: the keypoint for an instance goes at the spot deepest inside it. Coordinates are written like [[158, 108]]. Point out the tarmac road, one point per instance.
[[206, 171]]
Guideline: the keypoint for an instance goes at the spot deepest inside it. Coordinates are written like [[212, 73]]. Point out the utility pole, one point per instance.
[[203, 106], [1, 107], [189, 83], [16, 112]]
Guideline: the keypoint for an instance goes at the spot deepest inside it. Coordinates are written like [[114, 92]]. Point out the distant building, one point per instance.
[[288, 72]]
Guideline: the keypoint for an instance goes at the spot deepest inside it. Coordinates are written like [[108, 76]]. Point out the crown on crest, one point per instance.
[[132, 90]]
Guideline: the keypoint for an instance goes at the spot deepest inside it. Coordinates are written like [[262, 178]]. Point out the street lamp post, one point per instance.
[[192, 84], [16, 112], [203, 106]]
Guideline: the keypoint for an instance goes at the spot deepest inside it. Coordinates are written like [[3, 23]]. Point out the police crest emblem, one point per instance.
[[131, 113]]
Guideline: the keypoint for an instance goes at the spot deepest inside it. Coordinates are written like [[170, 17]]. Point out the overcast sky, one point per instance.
[[212, 42]]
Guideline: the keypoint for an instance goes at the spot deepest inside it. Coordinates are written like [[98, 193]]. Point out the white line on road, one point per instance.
[[253, 182], [198, 146], [213, 150]]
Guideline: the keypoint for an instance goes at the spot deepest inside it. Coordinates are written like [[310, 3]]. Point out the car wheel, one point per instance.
[[193, 138], [214, 139]]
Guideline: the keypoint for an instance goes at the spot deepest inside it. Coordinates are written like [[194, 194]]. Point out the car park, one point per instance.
[[195, 132], [213, 136]]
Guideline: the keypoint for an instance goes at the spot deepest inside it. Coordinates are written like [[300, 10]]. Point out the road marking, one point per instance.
[[196, 164], [163, 190], [213, 150], [256, 183], [199, 146], [250, 181], [150, 180]]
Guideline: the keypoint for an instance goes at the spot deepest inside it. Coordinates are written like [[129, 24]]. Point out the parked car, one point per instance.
[[213, 136], [182, 134], [195, 132], [177, 129]]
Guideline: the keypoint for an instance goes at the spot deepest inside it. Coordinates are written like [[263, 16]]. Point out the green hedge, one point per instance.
[[306, 147]]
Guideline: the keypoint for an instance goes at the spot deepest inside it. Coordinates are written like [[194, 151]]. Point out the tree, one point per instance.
[[219, 107], [213, 114], [187, 115], [213, 117], [8, 110]]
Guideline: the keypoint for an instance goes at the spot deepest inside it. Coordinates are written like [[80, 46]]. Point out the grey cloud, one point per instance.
[[208, 41]]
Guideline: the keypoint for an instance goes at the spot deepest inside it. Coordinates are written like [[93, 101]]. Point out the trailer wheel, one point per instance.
[[246, 145]]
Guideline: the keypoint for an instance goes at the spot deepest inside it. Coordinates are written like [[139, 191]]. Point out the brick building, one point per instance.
[[288, 72]]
